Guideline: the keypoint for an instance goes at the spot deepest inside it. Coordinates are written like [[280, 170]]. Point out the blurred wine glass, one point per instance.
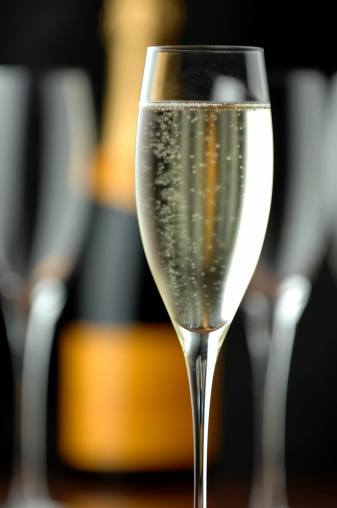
[[47, 138], [295, 244]]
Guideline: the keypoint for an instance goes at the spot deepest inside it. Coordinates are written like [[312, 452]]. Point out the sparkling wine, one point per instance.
[[204, 171]]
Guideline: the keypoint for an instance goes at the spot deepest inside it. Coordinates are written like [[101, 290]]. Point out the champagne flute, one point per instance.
[[294, 247], [47, 136], [203, 191]]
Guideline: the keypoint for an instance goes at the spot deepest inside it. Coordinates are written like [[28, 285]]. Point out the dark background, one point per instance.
[[67, 32]]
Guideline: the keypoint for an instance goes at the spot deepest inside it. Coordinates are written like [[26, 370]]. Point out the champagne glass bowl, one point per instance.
[[203, 190]]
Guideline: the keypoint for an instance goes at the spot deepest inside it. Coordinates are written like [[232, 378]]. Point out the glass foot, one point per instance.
[[32, 503]]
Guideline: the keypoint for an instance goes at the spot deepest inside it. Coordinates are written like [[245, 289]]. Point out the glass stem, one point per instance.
[[47, 303], [16, 324], [30, 336], [271, 329], [292, 298], [201, 356]]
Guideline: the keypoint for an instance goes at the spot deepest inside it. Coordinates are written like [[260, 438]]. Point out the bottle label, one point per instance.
[[124, 402]]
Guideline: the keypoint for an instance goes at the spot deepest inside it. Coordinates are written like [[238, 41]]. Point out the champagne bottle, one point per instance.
[[121, 406]]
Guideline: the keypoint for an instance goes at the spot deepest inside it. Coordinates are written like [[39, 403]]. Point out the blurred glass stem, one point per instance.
[[31, 340], [271, 329]]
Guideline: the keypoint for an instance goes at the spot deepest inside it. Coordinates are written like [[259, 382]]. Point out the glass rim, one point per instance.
[[206, 49]]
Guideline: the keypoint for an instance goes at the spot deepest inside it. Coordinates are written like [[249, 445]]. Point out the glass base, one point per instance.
[[39, 502]]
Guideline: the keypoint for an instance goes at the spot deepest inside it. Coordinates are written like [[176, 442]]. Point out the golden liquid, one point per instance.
[[203, 184]]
